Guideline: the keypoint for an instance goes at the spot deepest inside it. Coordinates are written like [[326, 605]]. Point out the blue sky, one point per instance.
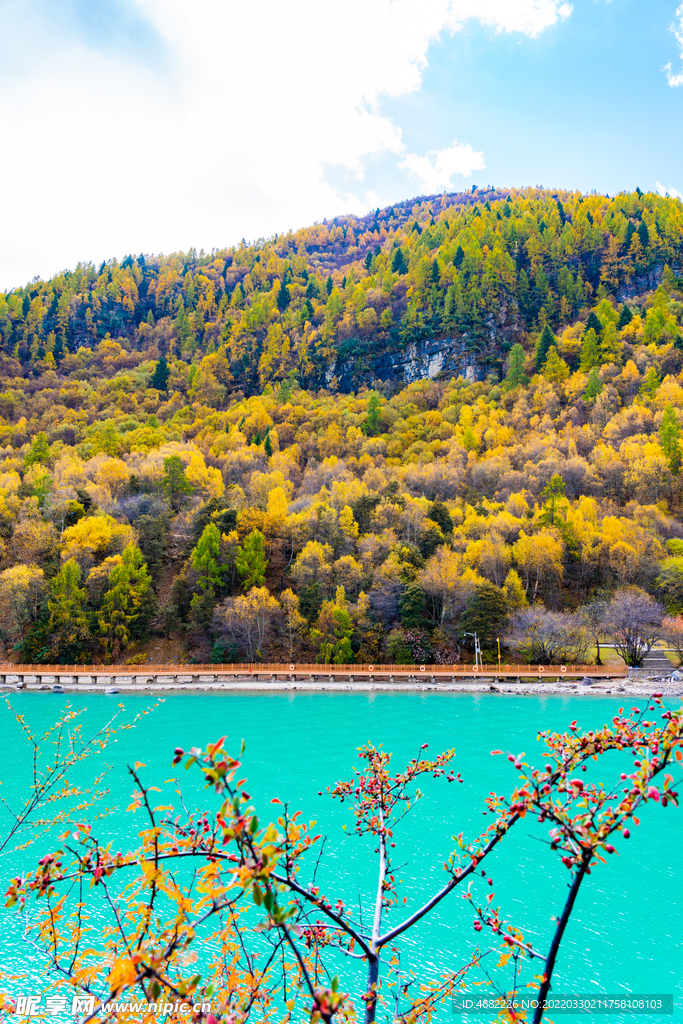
[[155, 125]]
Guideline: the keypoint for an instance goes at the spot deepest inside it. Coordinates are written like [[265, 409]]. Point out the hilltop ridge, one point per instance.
[[434, 286]]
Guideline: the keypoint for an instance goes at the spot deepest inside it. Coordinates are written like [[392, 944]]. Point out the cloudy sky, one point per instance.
[[156, 125]]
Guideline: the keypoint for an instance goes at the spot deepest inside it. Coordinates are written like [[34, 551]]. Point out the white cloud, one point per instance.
[[677, 29], [668, 190], [228, 135], [436, 169]]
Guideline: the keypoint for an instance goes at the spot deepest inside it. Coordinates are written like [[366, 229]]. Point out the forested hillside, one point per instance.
[[218, 456]]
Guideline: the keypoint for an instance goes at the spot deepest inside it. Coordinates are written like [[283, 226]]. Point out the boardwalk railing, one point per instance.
[[179, 673]]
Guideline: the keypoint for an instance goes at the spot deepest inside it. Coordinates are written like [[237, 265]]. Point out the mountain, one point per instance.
[[362, 440], [437, 286]]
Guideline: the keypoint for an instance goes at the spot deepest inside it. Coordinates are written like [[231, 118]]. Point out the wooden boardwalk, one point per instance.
[[189, 674]]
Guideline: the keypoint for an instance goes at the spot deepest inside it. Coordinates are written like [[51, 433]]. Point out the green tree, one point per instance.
[[160, 376], [670, 439], [412, 607], [398, 262], [625, 317], [250, 560], [554, 368], [594, 385], [590, 351], [267, 443], [372, 422], [651, 382], [515, 375], [554, 498], [68, 626], [543, 345], [39, 452], [175, 483], [122, 605], [205, 559], [486, 614]]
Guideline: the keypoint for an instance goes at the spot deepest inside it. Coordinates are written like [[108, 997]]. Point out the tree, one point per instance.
[[39, 452], [21, 587], [554, 369], [539, 558], [250, 560], [294, 624], [175, 483], [543, 345], [590, 351], [594, 616], [160, 376], [412, 606], [541, 637], [669, 584], [68, 624], [372, 422], [670, 439], [205, 559], [246, 620], [650, 383], [122, 604], [486, 614], [398, 262], [594, 386], [516, 361], [634, 621], [448, 582], [554, 498], [251, 881]]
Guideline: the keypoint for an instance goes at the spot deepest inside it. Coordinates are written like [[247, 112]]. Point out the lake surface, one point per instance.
[[625, 933]]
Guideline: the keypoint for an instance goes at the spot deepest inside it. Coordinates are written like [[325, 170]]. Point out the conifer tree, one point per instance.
[[398, 262], [594, 385], [543, 344], [670, 439], [122, 604], [590, 352], [250, 560], [515, 374], [68, 623], [205, 559], [39, 452], [160, 376], [175, 483], [625, 317]]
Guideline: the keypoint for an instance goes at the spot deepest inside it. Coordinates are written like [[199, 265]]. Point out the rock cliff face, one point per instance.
[[453, 355]]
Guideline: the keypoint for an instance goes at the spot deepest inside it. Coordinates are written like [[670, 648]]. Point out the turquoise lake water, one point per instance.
[[625, 934]]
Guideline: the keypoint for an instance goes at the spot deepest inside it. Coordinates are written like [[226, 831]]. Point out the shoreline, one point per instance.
[[599, 687]]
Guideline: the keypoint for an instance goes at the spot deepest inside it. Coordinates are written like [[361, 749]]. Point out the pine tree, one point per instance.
[[485, 614], [543, 344], [515, 375], [160, 376], [590, 351], [205, 559], [329, 285], [68, 624], [174, 482], [554, 497], [594, 386], [593, 322], [670, 439], [267, 443], [625, 317], [651, 382], [250, 560], [372, 422], [39, 452], [554, 369], [412, 607], [123, 602], [398, 262]]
